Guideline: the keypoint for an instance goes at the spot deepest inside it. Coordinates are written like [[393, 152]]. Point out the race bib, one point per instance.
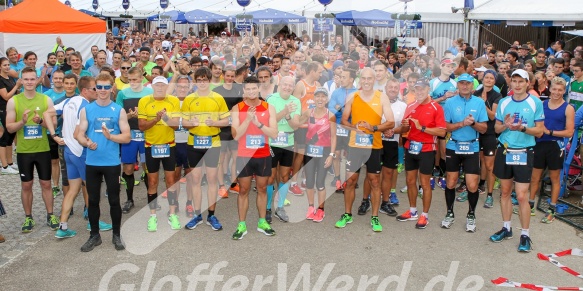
[[281, 140], [516, 158], [363, 140], [415, 147], [315, 151], [137, 135], [202, 142], [341, 131], [463, 148], [255, 141], [160, 151], [32, 131]]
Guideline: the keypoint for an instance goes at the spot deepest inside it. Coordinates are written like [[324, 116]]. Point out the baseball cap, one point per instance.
[[524, 47], [514, 46], [158, 57], [522, 73], [481, 69], [321, 90], [465, 77], [337, 63], [447, 61], [159, 79], [204, 58], [421, 83]]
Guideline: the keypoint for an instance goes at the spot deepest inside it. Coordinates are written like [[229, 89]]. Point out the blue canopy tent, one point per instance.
[[375, 17], [175, 16], [90, 13], [272, 16], [198, 16]]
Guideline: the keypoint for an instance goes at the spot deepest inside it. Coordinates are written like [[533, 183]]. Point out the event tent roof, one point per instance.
[[174, 16], [272, 16], [533, 10], [48, 16], [198, 16]]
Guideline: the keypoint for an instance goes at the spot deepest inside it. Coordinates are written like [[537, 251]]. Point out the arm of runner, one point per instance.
[[269, 129], [7, 95], [81, 129], [124, 136], [333, 139], [238, 129], [11, 123], [388, 114], [294, 122], [537, 130], [569, 125]]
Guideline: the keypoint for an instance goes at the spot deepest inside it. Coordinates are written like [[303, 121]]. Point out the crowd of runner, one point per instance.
[[227, 111]]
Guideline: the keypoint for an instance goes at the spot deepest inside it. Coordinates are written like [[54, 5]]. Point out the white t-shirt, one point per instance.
[[69, 109], [398, 112]]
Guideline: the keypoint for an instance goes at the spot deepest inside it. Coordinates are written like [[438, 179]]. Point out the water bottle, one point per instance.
[[432, 183]]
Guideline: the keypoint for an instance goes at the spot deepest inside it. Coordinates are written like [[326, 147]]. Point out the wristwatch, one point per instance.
[[332, 155], [288, 117], [473, 123], [423, 128], [260, 125], [523, 129], [375, 128]]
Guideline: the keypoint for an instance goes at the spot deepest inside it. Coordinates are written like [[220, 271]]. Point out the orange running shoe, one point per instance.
[[223, 193], [165, 194], [422, 222], [234, 190]]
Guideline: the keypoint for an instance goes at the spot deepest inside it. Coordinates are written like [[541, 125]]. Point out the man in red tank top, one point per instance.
[[253, 122]]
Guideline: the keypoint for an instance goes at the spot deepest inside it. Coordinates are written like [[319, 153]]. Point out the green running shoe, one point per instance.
[[462, 197], [27, 225], [241, 231], [153, 224], [400, 168], [533, 212], [65, 233], [53, 222], [174, 222], [549, 218], [344, 220], [496, 184], [376, 225], [265, 228], [489, 202], [56, 192]]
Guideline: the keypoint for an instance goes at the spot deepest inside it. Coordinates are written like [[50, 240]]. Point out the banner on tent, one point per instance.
[[323, 24], [163, 26], [125, 24], [407, 41], [243, 24]]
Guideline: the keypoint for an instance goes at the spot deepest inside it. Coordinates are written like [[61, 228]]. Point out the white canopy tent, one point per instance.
[[532, 10]]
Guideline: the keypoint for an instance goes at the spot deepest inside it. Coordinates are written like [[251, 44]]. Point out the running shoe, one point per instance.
[[152, 224], [143, 176], [174, 222], [85, 213], [214, 223], [319, 216], [136, 167], [56, 191], [515, 210], [420, 193], [400, 168], [268, 216], [223, 193], [240, 232], [65, 233], [295, 190], [489, 203], [91, 243], [122, 181], [442, 183], [436, 172], [189, 210], [364, 207], [194, 222], [462, 197], [9, 171], [448, 221], [513, 198], [136, 183], [393, 199], [265, 228], [387, 209], [422, 222], [234, 190], [127, 207], [408, 216], [53, 222], [14, 166], [496, 184], [461, 188], [280, 213], [549, 218], [501, 235], [376, 225], [311, 213], [404, 189], [525, 245], [103, 226], [286, 202], [117, 242], [482, 190], [344, 220], [533, 212], [164, 194], [339, 186], [471, 223]]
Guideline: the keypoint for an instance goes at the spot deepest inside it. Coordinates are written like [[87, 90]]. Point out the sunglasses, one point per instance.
[[103, 87], [125, 68]]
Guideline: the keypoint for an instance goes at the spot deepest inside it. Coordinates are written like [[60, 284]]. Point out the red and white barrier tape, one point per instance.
[[572, 252], [503, 282]]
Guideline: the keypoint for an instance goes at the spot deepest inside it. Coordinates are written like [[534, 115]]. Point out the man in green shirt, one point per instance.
[[288, 111], [145, 64], [576, 92], [23, 116]]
